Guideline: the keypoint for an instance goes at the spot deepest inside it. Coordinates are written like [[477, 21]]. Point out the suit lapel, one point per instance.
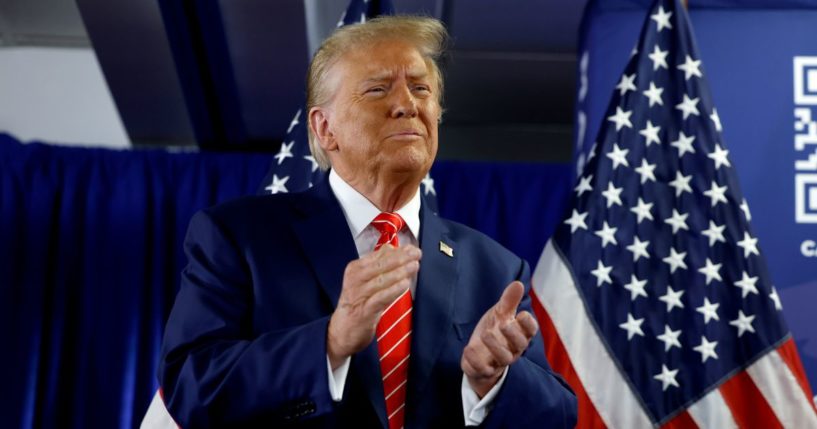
[[329, 246], [433, 303]]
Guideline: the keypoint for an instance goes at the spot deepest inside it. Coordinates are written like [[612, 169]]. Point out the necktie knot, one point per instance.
[[388, 224]]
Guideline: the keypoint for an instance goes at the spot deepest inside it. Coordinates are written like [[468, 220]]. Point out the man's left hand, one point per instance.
[[500, 337]]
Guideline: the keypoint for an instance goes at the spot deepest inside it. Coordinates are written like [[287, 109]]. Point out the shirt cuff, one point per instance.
[[474, 409], [337, 378]]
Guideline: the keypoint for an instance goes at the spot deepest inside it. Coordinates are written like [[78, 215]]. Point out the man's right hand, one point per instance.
[[370, 285]]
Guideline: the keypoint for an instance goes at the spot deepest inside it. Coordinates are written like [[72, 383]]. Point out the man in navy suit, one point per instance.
[[352, 304]]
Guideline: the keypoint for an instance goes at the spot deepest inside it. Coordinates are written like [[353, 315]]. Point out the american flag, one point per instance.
[[293, 168], [653, 294]]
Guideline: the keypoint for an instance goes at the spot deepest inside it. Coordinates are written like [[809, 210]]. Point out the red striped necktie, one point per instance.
[[393, 332]]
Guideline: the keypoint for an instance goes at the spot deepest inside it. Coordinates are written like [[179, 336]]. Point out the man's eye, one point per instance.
[[376, 90]]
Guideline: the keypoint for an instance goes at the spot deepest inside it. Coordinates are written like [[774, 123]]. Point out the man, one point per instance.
[[320, 310]]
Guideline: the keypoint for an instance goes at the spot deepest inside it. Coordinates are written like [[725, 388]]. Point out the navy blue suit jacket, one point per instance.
[[245, 344]]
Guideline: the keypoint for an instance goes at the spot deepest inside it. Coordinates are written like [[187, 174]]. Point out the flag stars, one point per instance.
[[653, 94], [683, 144], [749, 245], [639, 249], [775, 299], [672, 298], [709, 310], [636, 287], [295, 120], [618, 156], [632, 326], [659, 58], [277, 185], [646, 171], [717, 194], [715, 233], [285, 152], [627, 83], [576, 221], [716, 119], [744, 206], [706, 349], [689, 106], [747, 284], [650, 133], [621, 118], [667, 377], [584, 185], [711, 271], [612, 195], [719, 156], [677, 221], [743, 323], [642, 210], [662, 19], [312, 160], [681, 184], [428, 185], [602, 274], [690, 68], [670, 338], [607, 234], [675, 260]]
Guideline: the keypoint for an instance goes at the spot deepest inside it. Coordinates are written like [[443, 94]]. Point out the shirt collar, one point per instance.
[[360, 211]]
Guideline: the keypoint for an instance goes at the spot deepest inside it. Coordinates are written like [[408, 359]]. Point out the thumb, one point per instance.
[[510, 299]]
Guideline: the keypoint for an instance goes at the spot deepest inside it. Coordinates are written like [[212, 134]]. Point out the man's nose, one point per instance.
[[404, 104]]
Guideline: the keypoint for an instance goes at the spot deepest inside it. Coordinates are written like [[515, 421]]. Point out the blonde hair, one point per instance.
[[428, 35]]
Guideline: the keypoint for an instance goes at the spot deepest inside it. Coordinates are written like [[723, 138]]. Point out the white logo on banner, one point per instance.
[[805, 142]]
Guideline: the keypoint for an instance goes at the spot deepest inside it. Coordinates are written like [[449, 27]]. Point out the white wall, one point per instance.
[[57, 95]]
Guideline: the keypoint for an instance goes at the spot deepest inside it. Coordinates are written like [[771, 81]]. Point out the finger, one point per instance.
[[528, 324], [479, 359], [385, 259], [510, 299], [381, 299], [515, 336], [386, 279], [498, 346]]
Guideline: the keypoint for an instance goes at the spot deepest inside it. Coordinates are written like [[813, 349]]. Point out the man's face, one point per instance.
[[382, 119]]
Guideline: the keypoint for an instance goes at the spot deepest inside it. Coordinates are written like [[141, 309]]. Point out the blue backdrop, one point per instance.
[[748, 49], [91, 251]]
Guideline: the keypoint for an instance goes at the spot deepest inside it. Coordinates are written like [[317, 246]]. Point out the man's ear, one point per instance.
[[319, 124]]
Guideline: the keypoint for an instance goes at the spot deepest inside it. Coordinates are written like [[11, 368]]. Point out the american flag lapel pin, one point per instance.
[[446, 249]]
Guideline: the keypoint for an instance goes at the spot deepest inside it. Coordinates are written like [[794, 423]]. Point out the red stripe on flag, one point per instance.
[[681, 421], [559, 360], [788, 351], [749, 407]]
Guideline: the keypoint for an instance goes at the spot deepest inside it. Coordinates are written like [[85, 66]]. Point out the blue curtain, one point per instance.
[[90, 256]]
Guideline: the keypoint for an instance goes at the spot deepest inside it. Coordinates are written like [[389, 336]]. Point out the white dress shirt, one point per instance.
[[359, 213]]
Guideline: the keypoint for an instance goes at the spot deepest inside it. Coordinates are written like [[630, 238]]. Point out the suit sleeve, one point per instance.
[[214, 370], [532, 396]]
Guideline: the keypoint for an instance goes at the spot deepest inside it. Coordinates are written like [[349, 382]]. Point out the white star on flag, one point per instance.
[[576, 221], [691, 68], [636, 287], [621, 119], [650, 132], [653, 94], [285, 152], [743, 323], [618, 156], [659, 58], [277, 185], [672, 298], [709, 310], [689, 106], [584, 185], [667, 377], [632, 326], [749, 245], [719, 156], [627, 83], [706, 349], [670, 338], [646, 171], [639, 249]]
